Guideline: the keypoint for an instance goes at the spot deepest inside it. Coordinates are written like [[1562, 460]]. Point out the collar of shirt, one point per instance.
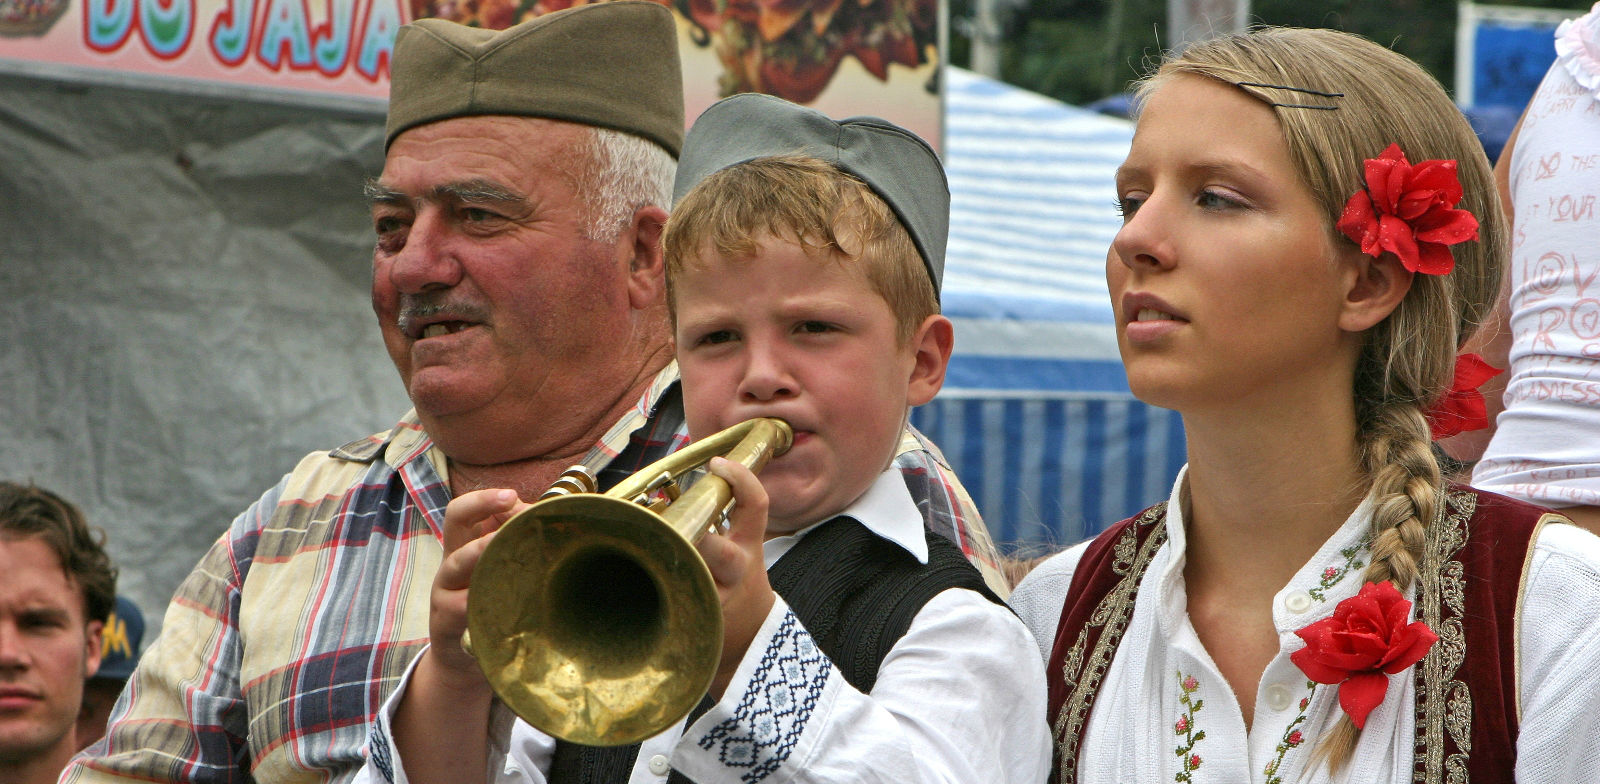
[[886, 509], [1330, 576], [616, 439], [407, 441]]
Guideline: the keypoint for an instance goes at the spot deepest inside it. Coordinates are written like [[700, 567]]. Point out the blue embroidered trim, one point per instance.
[[774, 711], [378, 750]]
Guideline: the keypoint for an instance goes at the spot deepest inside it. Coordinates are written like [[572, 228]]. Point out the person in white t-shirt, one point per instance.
[[1545, 447], [1310, 230]]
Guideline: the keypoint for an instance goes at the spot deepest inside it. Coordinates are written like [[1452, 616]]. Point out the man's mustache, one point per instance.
[[426, 308]]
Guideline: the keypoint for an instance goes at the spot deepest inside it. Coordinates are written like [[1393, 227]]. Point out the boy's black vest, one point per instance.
[[854, 592], [1474, 563]]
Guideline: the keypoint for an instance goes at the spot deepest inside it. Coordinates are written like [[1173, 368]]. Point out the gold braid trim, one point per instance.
[[1444, 704], [1111, 615]]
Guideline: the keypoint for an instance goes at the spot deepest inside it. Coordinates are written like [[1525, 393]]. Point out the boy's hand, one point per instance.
[[441, 725], [470, 522], [736, 564]]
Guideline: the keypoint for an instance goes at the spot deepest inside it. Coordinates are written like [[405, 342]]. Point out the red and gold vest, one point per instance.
[[1473, 570]]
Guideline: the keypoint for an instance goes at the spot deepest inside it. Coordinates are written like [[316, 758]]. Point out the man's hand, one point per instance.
[[736, 564]]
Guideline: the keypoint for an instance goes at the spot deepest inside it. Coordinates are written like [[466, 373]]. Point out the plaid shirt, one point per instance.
[[295, 627]]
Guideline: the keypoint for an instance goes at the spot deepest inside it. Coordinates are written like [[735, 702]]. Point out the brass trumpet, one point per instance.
[[592, 615]]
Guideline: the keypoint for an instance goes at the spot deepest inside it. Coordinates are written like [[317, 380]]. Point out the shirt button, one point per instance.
[[659, 765], [1278, 697], [1297, 602]]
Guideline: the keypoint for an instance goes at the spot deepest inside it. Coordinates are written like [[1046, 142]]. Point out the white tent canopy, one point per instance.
[[1036, 414], [1030, 219]]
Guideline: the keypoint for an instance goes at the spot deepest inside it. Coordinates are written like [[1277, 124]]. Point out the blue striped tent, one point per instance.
[[1035, 414]]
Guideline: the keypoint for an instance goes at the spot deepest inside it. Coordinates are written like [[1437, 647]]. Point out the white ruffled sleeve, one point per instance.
[[1578, 49]]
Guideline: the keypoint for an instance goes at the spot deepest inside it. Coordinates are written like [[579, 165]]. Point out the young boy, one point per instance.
[[802, 270]]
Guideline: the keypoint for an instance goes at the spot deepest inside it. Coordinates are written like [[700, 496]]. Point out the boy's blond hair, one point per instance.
[[798, 198]]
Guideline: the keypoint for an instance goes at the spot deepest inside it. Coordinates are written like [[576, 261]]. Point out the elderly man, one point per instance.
[[518, 283], [56, 588]]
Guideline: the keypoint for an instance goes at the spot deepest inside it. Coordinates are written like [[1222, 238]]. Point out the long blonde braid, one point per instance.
[[1396, 453], [1405, 487]]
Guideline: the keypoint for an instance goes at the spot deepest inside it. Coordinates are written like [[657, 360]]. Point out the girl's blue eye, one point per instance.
[[1213, 200]]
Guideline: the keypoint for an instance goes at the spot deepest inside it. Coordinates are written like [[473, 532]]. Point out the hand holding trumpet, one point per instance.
[[737, 566], [598, 614], [447, 681], [470, 523]]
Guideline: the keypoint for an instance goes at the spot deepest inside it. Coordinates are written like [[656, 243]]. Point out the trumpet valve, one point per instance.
[[659, 493], [576, 479]]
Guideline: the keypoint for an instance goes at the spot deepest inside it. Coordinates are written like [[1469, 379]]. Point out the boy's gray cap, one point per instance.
[[897, 164], [611, 65]]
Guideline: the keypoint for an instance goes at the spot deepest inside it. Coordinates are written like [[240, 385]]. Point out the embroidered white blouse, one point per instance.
[[960, 698], [1165, 713]]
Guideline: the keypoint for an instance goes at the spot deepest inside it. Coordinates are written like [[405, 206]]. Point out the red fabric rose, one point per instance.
[[1463, 409], [1365, 641], [1409, 211]]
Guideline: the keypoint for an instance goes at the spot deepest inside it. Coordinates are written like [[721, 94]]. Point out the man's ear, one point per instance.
[[93, 633], [931, 345], [1374, 287], [647, 268]]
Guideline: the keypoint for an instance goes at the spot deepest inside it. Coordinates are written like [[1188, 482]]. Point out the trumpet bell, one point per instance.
[[593, 616], [609, 627]]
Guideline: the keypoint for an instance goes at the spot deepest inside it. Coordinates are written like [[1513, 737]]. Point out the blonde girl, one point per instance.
[[1310, 231]]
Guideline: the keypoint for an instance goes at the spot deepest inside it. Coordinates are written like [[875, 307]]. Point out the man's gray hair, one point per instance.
[[626, 172]]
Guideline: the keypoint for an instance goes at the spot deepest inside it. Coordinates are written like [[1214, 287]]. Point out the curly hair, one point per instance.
[[27, 511]]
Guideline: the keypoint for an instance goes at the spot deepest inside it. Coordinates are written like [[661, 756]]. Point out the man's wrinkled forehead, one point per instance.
[[484, 160]]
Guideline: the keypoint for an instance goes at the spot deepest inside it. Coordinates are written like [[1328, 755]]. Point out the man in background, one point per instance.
[[119, 651], [56, 589]]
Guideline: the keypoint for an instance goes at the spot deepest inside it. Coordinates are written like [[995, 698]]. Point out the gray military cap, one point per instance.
[[898, 165]]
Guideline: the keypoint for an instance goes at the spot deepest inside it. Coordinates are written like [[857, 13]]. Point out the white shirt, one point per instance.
[[960, 698], [1143, 714], [1546, 445]]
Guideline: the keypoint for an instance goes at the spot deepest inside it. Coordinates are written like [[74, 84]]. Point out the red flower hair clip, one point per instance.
[[1463, 409], [1409, 211], [1366, 640]]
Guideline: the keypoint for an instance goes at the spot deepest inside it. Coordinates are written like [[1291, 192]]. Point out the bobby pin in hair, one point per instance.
[[1297, 90]]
